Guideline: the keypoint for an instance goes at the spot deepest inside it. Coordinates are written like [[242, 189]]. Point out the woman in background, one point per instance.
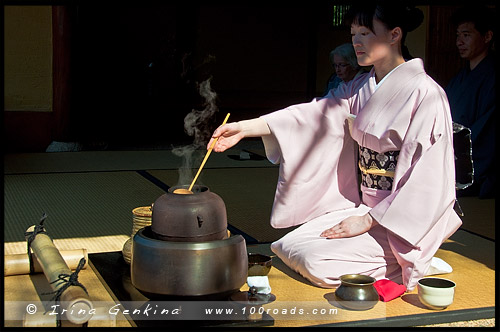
[[392, 123], [344, 62]]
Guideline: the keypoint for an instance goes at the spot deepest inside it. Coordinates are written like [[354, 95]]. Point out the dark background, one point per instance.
[[125, 76], [136, 70]]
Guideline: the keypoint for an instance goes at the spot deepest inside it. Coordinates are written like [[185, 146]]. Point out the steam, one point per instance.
[[197, 124]]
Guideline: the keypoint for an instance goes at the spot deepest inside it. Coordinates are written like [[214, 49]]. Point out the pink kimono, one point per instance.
[[318, 185]]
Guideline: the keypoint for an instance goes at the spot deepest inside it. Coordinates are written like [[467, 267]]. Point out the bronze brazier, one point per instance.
[[186, 251]]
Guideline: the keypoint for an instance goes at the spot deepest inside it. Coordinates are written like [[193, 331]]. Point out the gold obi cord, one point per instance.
[[376, 171]]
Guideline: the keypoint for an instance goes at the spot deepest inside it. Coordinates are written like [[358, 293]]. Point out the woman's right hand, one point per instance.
[[229, 135]]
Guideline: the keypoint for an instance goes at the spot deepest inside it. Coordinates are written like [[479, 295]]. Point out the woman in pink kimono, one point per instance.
[[394, 125]]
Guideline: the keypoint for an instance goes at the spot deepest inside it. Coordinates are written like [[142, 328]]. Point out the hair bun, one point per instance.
[[414, 17]]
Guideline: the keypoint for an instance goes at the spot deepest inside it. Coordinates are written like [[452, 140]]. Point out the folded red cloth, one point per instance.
[[388, 290]]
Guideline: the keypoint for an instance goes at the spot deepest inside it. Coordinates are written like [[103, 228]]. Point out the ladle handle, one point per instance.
[[207, 154]]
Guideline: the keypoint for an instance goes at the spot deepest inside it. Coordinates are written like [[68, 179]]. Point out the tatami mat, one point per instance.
[[479, 215], [473, 263], [100, 203], [101, 161], [77, 204]]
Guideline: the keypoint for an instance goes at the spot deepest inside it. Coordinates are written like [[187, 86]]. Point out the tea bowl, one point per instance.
[[436, 293], [259, 264]]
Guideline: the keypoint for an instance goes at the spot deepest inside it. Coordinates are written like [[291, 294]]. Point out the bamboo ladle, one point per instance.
[[188, 191]]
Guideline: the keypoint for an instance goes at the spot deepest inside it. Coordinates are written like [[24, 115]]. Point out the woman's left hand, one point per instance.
[[349, 227]]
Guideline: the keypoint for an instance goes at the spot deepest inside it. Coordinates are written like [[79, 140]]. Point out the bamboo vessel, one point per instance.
[[16, 264], [73, 299]]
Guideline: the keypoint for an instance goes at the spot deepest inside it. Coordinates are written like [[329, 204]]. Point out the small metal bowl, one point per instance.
[[259, 264], [356, 292]]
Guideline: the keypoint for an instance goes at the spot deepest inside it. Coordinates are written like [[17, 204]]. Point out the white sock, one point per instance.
[[439, 266]]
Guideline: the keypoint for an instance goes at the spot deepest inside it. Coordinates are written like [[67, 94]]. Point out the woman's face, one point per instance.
[[343, 69], [371, 47]]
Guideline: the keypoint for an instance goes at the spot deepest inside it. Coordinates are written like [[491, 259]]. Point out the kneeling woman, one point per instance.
[[394, 125]]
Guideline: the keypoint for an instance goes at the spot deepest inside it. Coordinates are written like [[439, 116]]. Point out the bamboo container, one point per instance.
[[73, 299], [100, 318], [16, 264]]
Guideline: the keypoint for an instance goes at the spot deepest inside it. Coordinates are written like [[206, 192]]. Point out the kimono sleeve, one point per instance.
[[425, 174], [317, 174]]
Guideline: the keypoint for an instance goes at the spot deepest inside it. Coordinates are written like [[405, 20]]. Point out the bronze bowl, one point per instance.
[[356, 292], [259, 264]]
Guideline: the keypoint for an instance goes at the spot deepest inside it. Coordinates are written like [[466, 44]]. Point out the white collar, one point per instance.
[[377, 85]]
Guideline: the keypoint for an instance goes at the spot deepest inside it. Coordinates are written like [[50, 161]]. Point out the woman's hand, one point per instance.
[[351, 226], [231, 133], [228, 134]]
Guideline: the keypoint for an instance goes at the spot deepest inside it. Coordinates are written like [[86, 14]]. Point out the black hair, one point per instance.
[[482, 17], [391, 13]]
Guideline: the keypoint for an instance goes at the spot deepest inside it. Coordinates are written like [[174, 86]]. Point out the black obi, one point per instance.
[[377, 169]]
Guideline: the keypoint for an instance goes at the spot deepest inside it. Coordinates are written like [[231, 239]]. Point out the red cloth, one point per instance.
[[388, 290]]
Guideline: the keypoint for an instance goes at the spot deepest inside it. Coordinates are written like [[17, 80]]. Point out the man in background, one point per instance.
[[471, 93]]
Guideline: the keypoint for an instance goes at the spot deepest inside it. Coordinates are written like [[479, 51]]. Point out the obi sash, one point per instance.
[[377, 169]]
